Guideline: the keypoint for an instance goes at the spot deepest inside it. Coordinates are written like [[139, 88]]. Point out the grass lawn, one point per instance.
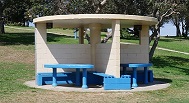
[[17, 66], [174, 43]]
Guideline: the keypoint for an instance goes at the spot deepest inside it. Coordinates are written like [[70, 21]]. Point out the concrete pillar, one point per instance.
[[113, 67], [40, 43], [95, 32], [144, 42], [116, 45], [144, 35], [81, 35]]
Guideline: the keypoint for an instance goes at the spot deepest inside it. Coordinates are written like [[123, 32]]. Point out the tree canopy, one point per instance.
[[176, 11]]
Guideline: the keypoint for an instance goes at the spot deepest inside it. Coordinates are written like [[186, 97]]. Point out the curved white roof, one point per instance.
[[77, 20]]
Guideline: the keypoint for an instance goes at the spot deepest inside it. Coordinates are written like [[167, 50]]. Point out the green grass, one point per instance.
[[62, 39], [174, 43], [180, 44], [12, 77], [130, 40], [172, 68], [167, 66], [62, 31]]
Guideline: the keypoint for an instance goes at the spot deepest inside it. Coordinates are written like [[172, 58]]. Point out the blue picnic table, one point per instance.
[[84, 68], [134, 66]]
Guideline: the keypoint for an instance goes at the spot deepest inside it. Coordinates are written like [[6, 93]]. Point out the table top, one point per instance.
[[136, 65], [66, 66], [78, 20]]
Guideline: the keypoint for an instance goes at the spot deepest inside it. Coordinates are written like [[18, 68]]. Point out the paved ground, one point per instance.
[[156, 85]]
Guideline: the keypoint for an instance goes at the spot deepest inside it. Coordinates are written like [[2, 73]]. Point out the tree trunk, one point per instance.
[[187, 26], [183, 29], [2, 29], [156, 35], [186, 31], [108, 36], [178, 33], [152, 50], [26, 23]]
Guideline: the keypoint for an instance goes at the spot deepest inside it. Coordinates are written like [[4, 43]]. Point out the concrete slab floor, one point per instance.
[[156, 85]]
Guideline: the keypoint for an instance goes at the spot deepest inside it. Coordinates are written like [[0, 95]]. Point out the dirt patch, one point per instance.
[[9, 54], [72, 97]]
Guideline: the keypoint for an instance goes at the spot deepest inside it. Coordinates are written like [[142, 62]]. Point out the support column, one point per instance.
[[40, 33], [144, 35], [144, 42], [40, 43], [95, 32], [113, 67], [81, 35]]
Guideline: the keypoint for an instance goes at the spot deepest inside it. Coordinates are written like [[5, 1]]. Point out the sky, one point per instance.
[[168, 29]]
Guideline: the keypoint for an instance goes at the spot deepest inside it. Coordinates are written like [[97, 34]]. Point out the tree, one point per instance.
[[186, 20], [162, 10], [179, 20], [41, 8], [2, 30], [15, 11]]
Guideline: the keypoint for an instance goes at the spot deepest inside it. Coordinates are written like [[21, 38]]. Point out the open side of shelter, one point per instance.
[[106, 58]]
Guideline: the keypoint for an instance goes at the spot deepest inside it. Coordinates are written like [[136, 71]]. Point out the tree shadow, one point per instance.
[[163, 80], [130, 38], [173, 38], [185, 38], [53, 37], [156, 81], [171, 61], [27, 38], [17, 39], [167, 40]]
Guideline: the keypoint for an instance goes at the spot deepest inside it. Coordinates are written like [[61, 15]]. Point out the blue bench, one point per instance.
[[100, 77], [62, 78], [122, 83], [112, 83], [104, 75]]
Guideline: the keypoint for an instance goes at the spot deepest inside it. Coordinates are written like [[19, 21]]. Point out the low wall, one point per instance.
[[61, 53], [74, 53], [133, 53], [104, 60]]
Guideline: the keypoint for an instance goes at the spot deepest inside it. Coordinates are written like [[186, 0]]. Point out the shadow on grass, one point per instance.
[[156, 82], [53, 37], [17, 38], [163, 80], [130, 38], [167, 40], [26, 38], [173, 38], [172, 62]]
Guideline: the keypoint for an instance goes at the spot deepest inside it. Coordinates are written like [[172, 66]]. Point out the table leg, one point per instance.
[[134, 85], [54, 84], [84, 79], [145, 75], [77, 82]]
